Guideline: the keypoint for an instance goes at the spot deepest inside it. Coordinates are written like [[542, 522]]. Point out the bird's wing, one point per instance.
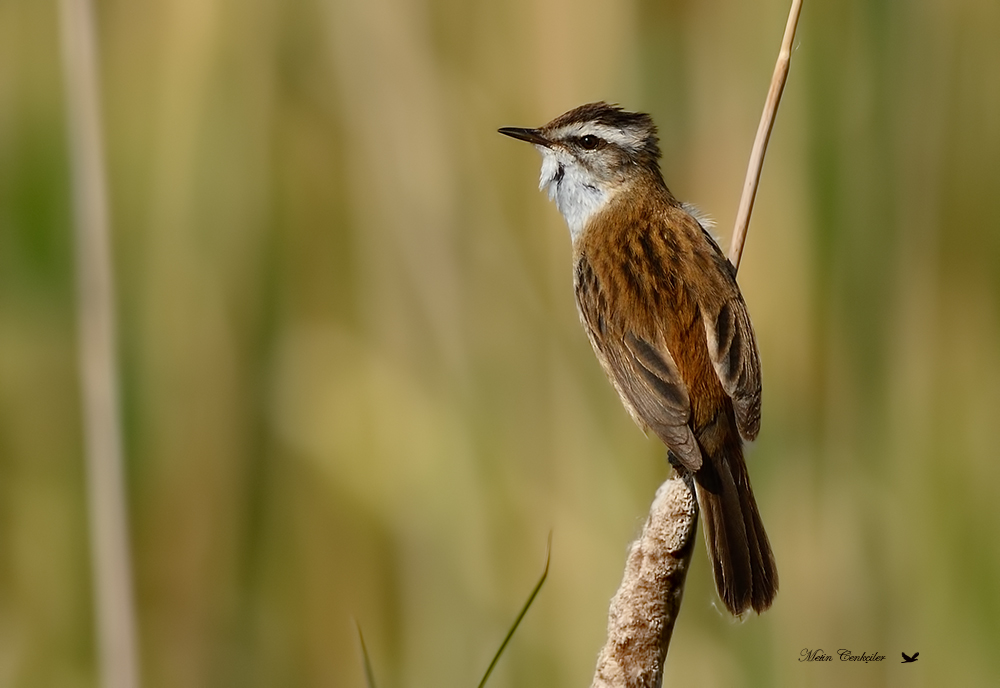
[[643, 372], [732, 345], [733, 350]]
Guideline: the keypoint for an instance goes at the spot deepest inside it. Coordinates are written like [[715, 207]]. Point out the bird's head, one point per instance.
[[591, 153]]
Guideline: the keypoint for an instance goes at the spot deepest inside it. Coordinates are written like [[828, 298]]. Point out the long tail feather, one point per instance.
[[745, 573]]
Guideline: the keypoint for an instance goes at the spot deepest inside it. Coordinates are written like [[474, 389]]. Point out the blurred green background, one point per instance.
[[355, 386]]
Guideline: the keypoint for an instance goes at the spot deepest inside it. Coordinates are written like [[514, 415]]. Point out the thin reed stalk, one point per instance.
[[109, 540]]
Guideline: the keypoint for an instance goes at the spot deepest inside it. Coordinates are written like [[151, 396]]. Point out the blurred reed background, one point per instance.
[[354, 383]]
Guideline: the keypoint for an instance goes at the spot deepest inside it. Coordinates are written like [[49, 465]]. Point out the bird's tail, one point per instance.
[[745, 573]]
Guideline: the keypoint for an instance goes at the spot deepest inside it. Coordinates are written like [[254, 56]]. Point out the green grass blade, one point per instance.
[[524, 610], [369, 676]]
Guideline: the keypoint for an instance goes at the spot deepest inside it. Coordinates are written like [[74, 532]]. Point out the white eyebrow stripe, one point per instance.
[[618, 136]]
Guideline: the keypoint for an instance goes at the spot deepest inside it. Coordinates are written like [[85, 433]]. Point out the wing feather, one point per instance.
[[732, 347], [643, 371]]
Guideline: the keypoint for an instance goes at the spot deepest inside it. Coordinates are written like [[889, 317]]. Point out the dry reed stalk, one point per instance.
[[109, 540], [756, 163]]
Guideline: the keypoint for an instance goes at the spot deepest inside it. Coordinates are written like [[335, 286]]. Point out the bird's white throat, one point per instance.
[[578, 195]]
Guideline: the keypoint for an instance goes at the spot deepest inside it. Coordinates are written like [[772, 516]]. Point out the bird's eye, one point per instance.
[[590, 142]]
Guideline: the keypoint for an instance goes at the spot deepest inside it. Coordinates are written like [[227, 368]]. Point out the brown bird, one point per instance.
[[662, 309]]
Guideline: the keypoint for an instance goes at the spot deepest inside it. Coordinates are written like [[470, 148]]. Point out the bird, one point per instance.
[[907, 658], [663, 312]]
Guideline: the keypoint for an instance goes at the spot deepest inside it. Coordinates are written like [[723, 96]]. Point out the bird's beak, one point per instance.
[[530, 135]]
